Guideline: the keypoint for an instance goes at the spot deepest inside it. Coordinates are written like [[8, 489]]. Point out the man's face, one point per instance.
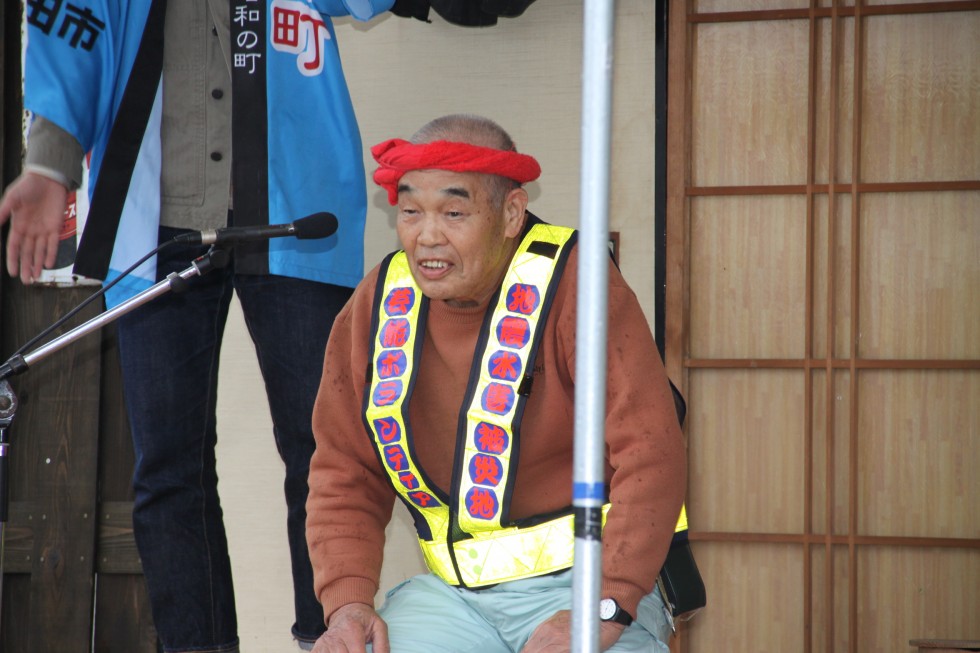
[[458, 246]]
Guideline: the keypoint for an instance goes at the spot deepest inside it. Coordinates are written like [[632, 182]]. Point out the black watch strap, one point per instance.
[[609, 610]]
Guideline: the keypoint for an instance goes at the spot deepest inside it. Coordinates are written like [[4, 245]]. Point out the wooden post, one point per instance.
[[72, 580]]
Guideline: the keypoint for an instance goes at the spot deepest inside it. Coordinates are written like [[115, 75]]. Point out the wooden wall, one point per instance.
[[824, 304], [831, 362], [71, 575]]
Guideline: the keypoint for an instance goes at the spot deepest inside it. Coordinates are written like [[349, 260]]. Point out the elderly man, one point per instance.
[[449, 383]]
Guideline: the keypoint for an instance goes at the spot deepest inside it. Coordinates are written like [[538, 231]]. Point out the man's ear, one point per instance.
[[515, 210]]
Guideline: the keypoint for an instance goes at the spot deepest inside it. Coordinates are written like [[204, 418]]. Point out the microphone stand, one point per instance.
[[177, 282]]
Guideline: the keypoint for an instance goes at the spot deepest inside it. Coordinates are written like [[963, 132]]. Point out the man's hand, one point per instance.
[[351, 627], [35, 206], [555, 635]]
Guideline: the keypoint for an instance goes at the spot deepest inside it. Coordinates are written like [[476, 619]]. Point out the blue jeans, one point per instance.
[[169, 351]]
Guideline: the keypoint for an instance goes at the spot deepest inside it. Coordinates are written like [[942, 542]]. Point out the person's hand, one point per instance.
[[351, 627], [555, 635], [35, 206]]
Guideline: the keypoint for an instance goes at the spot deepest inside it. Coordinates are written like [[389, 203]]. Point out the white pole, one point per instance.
[[590, 370]]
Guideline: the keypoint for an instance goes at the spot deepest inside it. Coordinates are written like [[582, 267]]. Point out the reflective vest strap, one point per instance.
[[398, 320], [680, 531], [496, 405], [507, 554], [682, 520]]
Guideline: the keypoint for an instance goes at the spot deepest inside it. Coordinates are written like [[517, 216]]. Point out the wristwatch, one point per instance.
[[609, 610]]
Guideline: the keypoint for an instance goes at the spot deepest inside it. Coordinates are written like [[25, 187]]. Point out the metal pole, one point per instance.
[[18, 364], [590, 371]]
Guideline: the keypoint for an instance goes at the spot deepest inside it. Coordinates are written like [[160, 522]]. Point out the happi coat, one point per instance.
[[93, 67]]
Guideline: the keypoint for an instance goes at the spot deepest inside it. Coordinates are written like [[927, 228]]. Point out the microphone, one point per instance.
[[317, 225]]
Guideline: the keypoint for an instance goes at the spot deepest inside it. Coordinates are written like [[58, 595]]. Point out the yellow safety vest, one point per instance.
[[466, 538]]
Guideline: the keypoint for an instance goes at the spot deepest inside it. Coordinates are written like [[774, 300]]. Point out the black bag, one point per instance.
[[679, 580]]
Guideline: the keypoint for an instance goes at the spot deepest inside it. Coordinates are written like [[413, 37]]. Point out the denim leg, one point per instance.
[[518, 607], [169, 354], [425, 615], [289, 321]]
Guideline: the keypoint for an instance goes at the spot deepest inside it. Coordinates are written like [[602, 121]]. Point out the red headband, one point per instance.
[[397, 156]]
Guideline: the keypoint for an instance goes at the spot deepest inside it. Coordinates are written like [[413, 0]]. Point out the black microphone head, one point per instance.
[[317, 225]]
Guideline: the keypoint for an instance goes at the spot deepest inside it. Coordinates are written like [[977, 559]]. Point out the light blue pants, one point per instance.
[[425, 615]]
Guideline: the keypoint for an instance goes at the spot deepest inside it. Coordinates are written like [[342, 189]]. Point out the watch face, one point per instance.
[[607, 608]]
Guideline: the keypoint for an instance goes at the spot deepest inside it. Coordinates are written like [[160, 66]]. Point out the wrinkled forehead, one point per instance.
[[443, 183]]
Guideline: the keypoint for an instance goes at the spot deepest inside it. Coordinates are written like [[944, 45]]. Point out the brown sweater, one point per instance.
[[350, 499]]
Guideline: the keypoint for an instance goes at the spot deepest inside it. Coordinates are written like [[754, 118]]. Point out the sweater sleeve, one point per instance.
[[645, 453], [350, 501]]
